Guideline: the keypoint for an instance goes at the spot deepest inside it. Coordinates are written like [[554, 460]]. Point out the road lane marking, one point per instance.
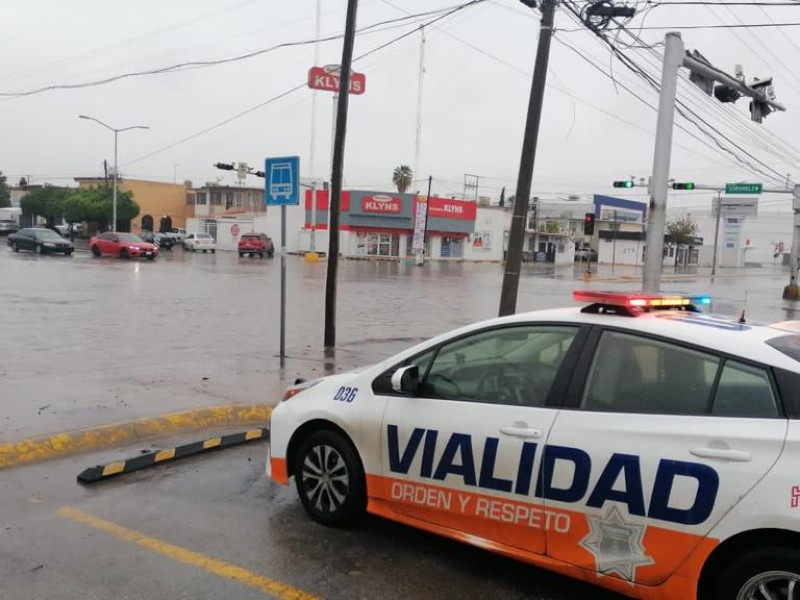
[[215, 566]]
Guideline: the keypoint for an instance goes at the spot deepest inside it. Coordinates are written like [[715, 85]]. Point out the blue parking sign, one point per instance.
[[282, 180]]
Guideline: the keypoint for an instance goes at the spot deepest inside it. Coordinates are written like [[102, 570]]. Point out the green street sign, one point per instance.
[[743, 188]]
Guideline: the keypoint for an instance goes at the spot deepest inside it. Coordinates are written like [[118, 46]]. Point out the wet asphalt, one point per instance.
[[87, 341]]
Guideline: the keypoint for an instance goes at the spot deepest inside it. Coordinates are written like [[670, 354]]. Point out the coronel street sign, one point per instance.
[[327, 79], [743, 188]]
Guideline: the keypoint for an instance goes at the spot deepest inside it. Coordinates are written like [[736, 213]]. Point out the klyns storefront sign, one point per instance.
[[441, 208], [381, 204]]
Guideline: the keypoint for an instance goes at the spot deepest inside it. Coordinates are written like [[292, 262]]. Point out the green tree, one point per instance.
[[682, 231], [47, 202], [5, 193], [94, 205], [402, 177]]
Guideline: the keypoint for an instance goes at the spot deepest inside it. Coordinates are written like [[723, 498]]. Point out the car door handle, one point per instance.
[[722, 454], [521, 432]]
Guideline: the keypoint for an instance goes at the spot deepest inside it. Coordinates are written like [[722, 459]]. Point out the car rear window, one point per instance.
[[788, 344], [249, 237]]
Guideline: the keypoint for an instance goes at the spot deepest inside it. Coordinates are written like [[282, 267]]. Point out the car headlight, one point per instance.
[[299, 386]]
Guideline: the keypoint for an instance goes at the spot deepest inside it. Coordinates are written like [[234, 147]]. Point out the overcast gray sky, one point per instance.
[[476, 86]]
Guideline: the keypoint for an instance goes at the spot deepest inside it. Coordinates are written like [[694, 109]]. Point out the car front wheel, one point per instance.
[[330, 479], [761, 574], [15, 247], [96, 251], [39, 249]]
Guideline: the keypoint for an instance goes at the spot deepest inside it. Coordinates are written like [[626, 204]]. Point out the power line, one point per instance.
[[684, 110], [727, 111], [199, 64], [254, 108], [733, 156]]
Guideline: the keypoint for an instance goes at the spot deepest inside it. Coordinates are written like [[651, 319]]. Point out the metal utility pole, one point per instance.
[[516, 240], [716, 234], [314, 94], [657, 211], [792, 291], [418, 141], [336, 174]]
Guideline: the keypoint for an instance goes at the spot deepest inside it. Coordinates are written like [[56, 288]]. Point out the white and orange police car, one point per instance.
[[634, 443]]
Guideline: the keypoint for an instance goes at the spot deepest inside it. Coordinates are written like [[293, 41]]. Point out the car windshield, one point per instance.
[[129, 237], [47, 234], [204, 236]]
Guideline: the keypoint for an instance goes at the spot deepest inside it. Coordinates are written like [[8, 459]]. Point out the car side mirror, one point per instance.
[[406, 379]]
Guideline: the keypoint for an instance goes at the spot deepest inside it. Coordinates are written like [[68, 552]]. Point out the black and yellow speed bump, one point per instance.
[[100, 472]]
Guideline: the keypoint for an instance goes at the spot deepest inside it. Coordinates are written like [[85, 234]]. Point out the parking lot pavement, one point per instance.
[[215, 527]]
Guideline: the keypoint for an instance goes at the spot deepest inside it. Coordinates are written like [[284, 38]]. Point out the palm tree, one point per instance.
[[402, 178]]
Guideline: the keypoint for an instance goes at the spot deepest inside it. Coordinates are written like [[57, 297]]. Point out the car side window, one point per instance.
[[511, 365], [744, 391], [635, 374]]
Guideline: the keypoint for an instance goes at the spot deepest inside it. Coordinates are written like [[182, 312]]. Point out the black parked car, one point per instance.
[[40, 240], [162, 240]]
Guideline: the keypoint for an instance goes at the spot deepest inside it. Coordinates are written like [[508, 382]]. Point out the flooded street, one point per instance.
[[89, 341]]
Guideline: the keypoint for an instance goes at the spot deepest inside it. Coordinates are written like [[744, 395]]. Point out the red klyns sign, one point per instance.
[[321, 79], [382, 204], [441, 208]]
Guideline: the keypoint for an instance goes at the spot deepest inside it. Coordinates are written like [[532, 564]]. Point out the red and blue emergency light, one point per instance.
[[638, 299]]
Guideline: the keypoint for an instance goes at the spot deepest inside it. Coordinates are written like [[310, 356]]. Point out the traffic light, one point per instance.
[[682, 186], [723, 93], [225, 166], [758, 108], [588, 224], [624, 184]]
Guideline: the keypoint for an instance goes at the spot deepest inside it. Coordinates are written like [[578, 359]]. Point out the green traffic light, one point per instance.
[[623, 184], [683, 186]]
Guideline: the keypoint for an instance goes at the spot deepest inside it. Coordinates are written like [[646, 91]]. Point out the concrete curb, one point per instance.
[[103, 436]]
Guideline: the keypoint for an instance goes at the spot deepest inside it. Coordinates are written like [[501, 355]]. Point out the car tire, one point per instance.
[[260, 255], [152, 257], [213, 252], [68, 253], [774, 568], [241, 254], [96, 251], [123, 253], [271, 253], [330, 479], [15, 247], [39, 249]]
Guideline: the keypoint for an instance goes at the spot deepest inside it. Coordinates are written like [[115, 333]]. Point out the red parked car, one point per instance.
[[256, 243], [124, 245]]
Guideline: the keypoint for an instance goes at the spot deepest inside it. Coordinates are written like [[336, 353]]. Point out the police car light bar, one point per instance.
[[638, 300]]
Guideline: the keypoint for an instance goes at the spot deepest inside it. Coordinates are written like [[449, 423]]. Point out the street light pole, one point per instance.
[[116, 166]]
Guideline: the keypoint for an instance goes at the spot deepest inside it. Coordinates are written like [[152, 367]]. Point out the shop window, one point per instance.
[[237, 199], [200, 198], [216, 198], [383, 244], [452, 247]]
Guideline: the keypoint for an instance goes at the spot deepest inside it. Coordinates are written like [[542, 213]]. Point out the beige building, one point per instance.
[[213, 200], [156, 201]]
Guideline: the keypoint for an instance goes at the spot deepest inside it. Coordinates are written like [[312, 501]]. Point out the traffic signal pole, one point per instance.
[[657, 212], [516, 239]]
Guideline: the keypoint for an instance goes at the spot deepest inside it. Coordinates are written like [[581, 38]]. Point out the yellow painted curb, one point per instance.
[[71, 442]]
